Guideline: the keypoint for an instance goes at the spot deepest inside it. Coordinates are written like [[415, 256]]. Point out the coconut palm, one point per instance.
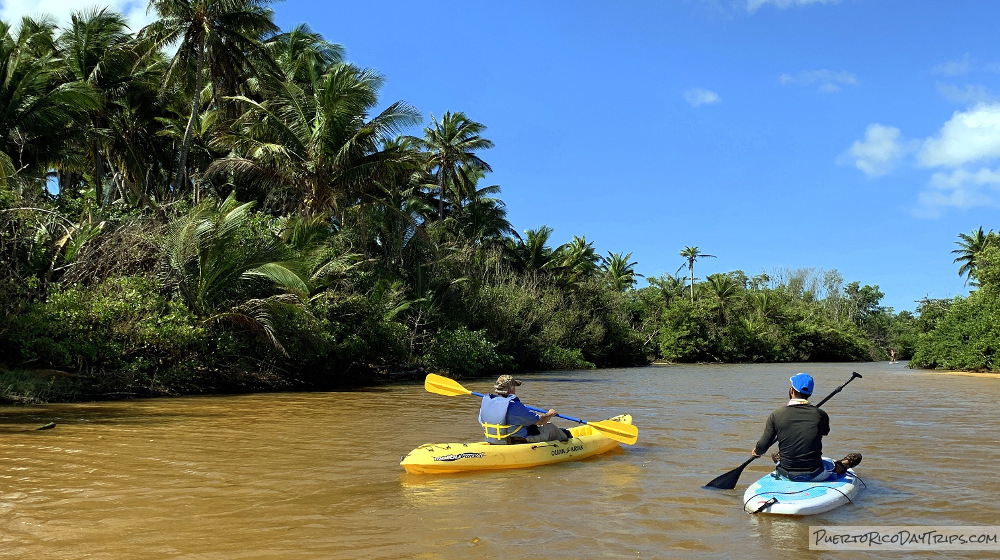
[[725, 289], [670, 287], [479, 216], [452, 144], [220, 37], [38, 108], [389, 189], [970, 247], [619, 273], [98, 50], [577, 259], [302, 55], [311, 147], [532, 253], [692, 254], [140, 155]]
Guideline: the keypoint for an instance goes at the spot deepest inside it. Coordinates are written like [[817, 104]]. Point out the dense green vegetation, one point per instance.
[[964, 334], [241, 215]]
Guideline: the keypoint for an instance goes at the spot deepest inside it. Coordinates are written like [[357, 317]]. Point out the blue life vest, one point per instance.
[[493, 417]]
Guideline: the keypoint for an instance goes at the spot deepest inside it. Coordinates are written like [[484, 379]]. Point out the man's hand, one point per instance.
[[754, 452], [544, 419]]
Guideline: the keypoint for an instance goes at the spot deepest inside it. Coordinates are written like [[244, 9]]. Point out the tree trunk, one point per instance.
[[195, 107], [691, 268], [441, 181], [98, 175]]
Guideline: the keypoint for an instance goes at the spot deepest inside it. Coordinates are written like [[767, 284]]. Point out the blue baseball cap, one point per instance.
[[803, 383]]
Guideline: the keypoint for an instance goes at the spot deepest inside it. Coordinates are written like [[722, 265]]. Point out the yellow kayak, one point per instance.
[[439, 458]]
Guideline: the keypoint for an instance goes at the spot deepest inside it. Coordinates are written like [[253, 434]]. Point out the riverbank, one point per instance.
[[50, 386], [964, 373]]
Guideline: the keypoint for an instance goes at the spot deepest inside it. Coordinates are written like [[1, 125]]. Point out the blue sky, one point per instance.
[[856, 135]]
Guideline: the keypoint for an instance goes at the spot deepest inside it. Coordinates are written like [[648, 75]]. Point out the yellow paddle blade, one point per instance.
[[444, 386], [618, 431]]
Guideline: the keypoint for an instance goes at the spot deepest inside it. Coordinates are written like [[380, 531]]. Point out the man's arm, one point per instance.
[[824, 423], [517, 413], [766, 440]]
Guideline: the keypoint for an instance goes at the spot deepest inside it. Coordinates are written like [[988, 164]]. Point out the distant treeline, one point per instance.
[[241, 216]]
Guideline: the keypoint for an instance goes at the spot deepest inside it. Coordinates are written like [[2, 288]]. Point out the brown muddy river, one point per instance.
[[317, 476]]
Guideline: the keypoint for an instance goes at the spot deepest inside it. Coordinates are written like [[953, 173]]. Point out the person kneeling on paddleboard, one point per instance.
[[505, 420], [799, 427]]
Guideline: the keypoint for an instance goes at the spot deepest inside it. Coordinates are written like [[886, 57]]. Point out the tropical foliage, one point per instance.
[[795, 315], [964, 333], [246, 213]]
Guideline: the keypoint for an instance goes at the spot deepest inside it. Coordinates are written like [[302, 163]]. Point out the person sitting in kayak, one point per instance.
[[799, 427], [505, 420]]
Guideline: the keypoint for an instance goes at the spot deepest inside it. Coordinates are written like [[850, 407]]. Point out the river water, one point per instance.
[[316, 475]]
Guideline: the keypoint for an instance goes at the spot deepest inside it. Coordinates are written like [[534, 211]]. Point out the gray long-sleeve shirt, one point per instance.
[[799, 431]]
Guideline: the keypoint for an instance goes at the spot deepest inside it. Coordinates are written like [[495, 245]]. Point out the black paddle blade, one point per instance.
[[728, 481]]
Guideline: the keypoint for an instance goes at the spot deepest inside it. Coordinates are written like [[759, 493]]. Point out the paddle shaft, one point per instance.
[[570, 418], [838, 389]]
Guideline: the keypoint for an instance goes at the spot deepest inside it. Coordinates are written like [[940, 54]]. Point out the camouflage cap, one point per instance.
[[504, 383]]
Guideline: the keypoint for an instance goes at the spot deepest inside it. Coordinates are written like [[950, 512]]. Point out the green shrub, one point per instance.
[[558, 358], [350, 331], [465, 353], [122, 334], [966, 338], [685, 333]]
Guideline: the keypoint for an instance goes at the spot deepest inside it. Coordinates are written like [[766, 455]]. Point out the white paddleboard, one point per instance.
[[774, 494]]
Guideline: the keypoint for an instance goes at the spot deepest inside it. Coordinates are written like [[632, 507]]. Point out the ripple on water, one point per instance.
[[316, 476]]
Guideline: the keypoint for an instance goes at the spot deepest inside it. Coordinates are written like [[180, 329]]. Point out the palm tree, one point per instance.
[[725, 289], [222, 37], [309, 147], [479, 217], [670, 287], [452, 145], [99, 51], [577, 259], [619, 273], [39, 106], [225, 272], [533, 252], [692, 254], [140, 155], [970, 248], [302, 55]]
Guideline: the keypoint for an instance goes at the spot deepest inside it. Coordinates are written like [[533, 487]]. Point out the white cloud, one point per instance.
[[878, 153], [11, 11], [960, 178], [967, 137], [828, 81], [955, 67], [963, 148], [958, 189], [967, 95], [754, 5], [697, 97]]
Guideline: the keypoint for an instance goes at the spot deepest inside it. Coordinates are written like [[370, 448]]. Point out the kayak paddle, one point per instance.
[[728, 481], [618, 431]]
